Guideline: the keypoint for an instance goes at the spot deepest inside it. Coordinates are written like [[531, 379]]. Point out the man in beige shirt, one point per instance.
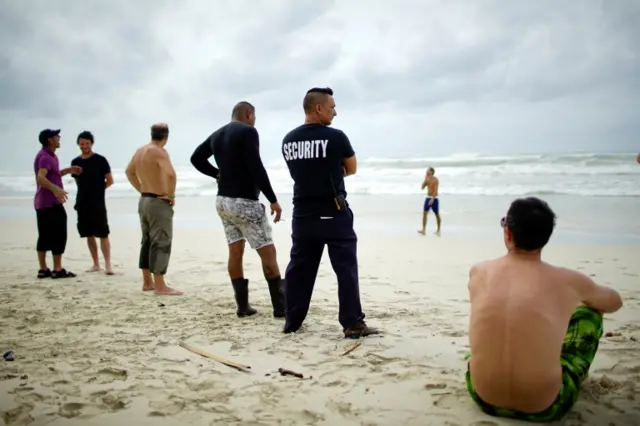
[[534, 327]]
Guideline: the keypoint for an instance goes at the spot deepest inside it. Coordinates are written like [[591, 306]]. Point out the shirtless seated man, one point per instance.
[[534, 327], [151, 173]]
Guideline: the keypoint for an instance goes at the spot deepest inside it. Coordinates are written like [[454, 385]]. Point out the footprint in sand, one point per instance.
[[75, 409], [18, 416], [166, 408], [109, 375]]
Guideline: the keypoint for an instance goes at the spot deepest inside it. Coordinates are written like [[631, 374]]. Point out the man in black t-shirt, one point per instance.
[[318, 158], [241, 177], [90, 200]]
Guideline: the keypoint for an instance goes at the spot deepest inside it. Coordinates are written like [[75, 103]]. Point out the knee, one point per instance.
[[236, 251]]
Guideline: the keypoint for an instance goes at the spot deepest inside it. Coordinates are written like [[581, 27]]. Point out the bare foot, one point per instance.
[[168, 291], [109, 270], [421, 232], [148, 287], [437, 233], [94, 268]]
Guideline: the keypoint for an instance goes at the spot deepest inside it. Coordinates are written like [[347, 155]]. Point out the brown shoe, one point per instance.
[[359, 330]]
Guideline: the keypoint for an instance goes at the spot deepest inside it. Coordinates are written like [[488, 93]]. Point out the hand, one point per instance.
[[75, 170], [171, 200], [431, 201], [60, 194], [275, 208]]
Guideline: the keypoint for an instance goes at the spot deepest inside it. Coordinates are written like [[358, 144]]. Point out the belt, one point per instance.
[[149, 195]]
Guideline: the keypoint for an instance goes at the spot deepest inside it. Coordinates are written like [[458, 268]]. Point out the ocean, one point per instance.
[[596, 195]]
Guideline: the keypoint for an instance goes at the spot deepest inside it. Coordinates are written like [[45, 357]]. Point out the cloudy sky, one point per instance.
[[413, 78]]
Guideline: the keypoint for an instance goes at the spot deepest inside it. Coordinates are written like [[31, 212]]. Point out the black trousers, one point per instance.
[[309, 237], [52, 229]]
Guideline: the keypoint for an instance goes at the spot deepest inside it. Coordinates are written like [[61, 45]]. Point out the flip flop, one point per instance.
[[62, 273], [44, 273]]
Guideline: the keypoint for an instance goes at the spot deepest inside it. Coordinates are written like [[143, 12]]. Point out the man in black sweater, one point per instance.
[[241, 177]]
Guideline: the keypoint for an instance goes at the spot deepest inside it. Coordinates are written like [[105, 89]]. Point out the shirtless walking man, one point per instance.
[[431, 202], [151, 173], [531, 347]]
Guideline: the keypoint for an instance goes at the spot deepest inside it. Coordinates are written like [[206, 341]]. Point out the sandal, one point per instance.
[[62, 273], [44, 273]]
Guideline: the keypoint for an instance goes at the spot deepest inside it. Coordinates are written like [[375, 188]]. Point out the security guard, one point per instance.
[[318, 158]]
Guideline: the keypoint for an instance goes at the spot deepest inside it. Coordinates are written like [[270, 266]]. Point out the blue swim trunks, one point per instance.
[[435, 206]]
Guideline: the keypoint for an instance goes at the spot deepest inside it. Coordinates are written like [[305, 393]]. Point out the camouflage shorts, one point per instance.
[[244, 220]]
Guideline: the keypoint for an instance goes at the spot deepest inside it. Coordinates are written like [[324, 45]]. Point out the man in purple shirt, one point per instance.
[[48, 202]]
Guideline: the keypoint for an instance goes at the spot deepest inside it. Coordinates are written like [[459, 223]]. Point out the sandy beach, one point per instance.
[[95, 350]]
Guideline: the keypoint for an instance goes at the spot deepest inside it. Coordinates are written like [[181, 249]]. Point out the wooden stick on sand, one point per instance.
[[351, 349], [240, 367]]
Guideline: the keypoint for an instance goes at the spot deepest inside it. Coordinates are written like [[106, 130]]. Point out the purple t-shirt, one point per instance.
[[46, 159]]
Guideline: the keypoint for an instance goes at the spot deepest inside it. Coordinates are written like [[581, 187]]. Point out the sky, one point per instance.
[[412, 78]]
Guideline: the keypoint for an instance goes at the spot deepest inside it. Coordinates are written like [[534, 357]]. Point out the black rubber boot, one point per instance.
[[276, 291], [241, 290]]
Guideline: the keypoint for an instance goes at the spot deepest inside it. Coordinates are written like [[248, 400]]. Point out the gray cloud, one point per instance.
[[412, 78]]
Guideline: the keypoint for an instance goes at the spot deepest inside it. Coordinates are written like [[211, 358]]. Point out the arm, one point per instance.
[[349, 161], [66, 171], [132, 177], [74, 162], [600, 298], [260, 176], [108, 177], [200, 158], [424, 182], [44, 182], [436, 186], [43, 165], [165, 165]]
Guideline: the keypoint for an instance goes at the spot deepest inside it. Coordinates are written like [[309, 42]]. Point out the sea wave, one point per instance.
[[605, 174]]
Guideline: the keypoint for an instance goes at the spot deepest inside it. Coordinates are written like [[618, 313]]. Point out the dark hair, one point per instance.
[[241, 109], [315, 96], [159, 132], [531, 221], [432, 170], [85, 135]]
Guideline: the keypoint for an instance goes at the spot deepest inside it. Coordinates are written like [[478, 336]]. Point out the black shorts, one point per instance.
[[92, 222], [52, 229]]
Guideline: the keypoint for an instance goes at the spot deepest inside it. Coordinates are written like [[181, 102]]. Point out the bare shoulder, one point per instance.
[[480, 267], [436, 180]]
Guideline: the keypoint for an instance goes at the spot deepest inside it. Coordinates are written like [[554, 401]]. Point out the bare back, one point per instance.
[[152, 167], [520, 311]]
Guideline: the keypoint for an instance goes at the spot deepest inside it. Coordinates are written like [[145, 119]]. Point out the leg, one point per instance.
[[300, 277], [257, 231], [238, 282], [425, 211], [60, 243], [145, 245], [160, 217], [102, 232], [86, 230], [343, 253], [105, 246], [436, 210], [271, 271], [43, 244], [236, 256], [93, 250]]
